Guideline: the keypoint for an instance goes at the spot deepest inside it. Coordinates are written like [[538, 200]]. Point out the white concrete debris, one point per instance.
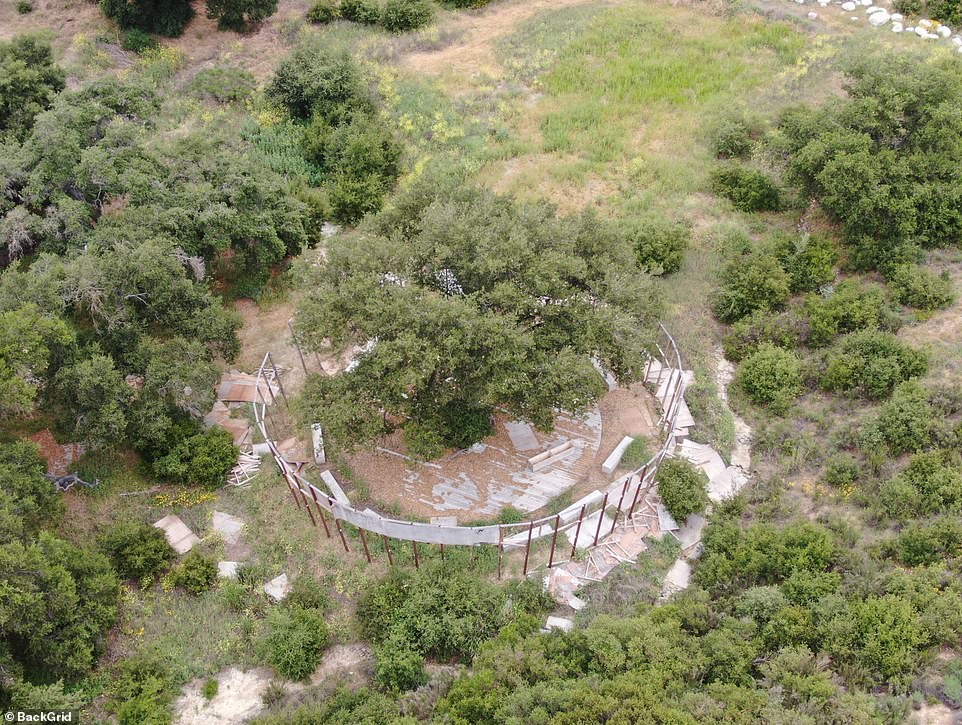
[[181, 538], [277, 588], [229, 527], [227, 569], [560, 623]]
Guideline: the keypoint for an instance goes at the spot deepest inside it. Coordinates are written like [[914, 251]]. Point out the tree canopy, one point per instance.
[[461, 299]]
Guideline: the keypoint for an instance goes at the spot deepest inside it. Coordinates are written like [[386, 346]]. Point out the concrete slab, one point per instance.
[[522, 436], [335, 488], [181, 538], [565, 625], [589, 526], [705, 457], [665, 520], [229, 527], [227, 569], [690, 533], [444, 520], [612, 461], [677, 577], [277, 588]]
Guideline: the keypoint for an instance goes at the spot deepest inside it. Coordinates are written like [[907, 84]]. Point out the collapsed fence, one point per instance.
[[663, 370]]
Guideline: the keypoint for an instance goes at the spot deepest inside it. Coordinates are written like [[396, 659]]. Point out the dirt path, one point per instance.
[[473, 53]]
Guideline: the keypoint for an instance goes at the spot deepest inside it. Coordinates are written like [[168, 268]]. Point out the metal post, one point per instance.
[[624, 490], [277, 377], [317, 358], [581, 517], [601, 517], [367, 552], [641, 482], [527, 549], [417, 561], [500, 549], [297, 346], [554, 538], [308, 508], [387, 545], [337, 523], [320, 512], [473, 552], [287, 479], [442, 552], [647, 370]]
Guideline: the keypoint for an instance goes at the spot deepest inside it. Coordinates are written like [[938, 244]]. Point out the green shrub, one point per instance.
[[748, 189], [905, 421], [164, 17], [683, 488], [659, 245], [316, 79], [136, 550], [308, 593], [931, 483], [891, 635], [848, 308], [398, 667], [224, 85], [783, 330], [210, 688], [196, 573], [463, 424], [24, 7], [752, 279], [142, 690], [137, 41], [841, 471], [809, 260], [204, 459], [240, 15], [324, 11], [465, 4], [734, 138], [294, 642], [352, 198], [636, 454], [923, 544], [400, 16], [760, 603], [870, 363], [367, 12], [771, 376], [235, 594], [919, 288]]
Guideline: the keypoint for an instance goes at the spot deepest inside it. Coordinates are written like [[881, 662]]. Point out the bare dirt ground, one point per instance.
[[942, 333], [238, 698]]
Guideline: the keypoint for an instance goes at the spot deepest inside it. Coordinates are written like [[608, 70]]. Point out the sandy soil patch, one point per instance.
[[238, 698], [344, 661]]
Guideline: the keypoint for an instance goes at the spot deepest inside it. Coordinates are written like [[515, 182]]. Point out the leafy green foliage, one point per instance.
[[367, 12], [195, 574], [225, 84], [202, 460], [926, 543], [735, 137], [240, 15], [905, 422], [947, 11], [683, 488], [917, 287], [398, 667], [294, 642], [137, 551], [137, 41], [747, 335], [400, 16], [748, 189], [164, 17], [752, 279], [24, 7], [471, 301], [660, 245], [324, 11], [345, 705], [771, 376], [931, 483], [94, 397], [636, 454], [848, 308], [809, 260], [142, 690], [28, 501], [316, 79], [30, 82], [876, 160], [307, 593], [871, 364]]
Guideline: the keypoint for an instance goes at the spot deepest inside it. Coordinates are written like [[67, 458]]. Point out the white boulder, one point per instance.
[[866, 3], [920, 31], [957, 41], [925, 23], [944, 31], [848, 6], [878, 19], [897, 17], [897, 27], [812, 16]]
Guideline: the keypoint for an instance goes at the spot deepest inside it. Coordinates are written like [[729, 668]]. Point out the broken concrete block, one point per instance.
[[181, 538], [229, 527], [277, 588], [565, 625], [227, 569]]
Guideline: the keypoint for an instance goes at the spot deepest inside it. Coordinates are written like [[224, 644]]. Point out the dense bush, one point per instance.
[[848, 308], [225, 85], [24, 7], [204, 459], [931, 483], [399, 16], [809, 260], [137, 551], [307, 593], [784, 329], [462, 4], [142, 690], [30, 81], [164, 17], [324, 11], [871, 364], [367, 12], [734, 138], [137, 41], [314, 79], [905, 422], [659, 245], [344, 705], [294, 642], [930, 542], [683, 488], [240, 15], [751, 279], [875, 159], [28, 501], [841, 470], [398, 667], [195, 574], [748, 189], [917, 287], [771, 376]]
